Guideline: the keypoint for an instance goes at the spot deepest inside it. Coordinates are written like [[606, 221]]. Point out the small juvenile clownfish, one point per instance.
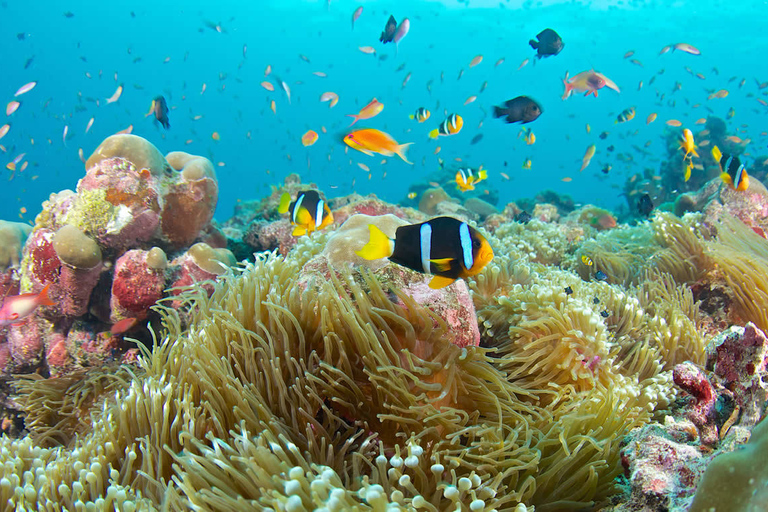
[[732, 171], [445, 247], [421, 114], [450, 126], [308, 213], [626, 115], [467, 178]]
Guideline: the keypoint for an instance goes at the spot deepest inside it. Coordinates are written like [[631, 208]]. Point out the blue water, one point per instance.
[[106, 40]]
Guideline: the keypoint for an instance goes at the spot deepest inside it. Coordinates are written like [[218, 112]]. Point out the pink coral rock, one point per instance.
[[135, 286], [703, 411]]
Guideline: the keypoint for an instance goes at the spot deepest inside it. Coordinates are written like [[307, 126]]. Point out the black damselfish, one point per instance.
[[521, 109], [549, 43]]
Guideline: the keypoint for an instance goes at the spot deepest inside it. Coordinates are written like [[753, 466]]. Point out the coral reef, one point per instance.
[[572, 373], [12, 238], [102, 250]]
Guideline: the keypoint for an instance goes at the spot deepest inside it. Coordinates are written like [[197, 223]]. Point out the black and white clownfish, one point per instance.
[[732, 171], [308, 212], [467, 178], [445, 247], [421, 114], [450, 126]]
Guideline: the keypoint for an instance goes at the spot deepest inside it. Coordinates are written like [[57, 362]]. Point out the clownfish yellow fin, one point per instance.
[[726, 178], [716, 154], [299, 231], [483, 174], [442, 264], [379, 246], [411, 116], [285, 202], [433, 134], [438, 282]]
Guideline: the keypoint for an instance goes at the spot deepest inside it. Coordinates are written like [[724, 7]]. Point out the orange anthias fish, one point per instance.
[[18, 307], [370, 141], [372, 109], [587, 81]]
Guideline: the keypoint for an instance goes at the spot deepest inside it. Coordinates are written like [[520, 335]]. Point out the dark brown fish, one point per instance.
[[521, 109], [160, 110], [390, 28], [549, 43]]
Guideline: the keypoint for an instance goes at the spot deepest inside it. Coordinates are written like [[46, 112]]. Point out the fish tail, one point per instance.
[[568, 87], [483, 174], [534, 44], [356, 119], [379, 245], [433, 134], [410, 116], [400, 151], [499, 112], [43, 299], [717, 154], [285, 201]]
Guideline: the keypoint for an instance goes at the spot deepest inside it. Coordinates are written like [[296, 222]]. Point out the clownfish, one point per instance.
[[732, 171], [467, 178], [308, 212], [421, 114], [445, 247], [626, 115], [450, 126]]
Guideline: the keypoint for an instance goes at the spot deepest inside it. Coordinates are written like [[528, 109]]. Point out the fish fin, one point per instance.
[[43, 299], [726, 178], [366, 151], [442, 264], [299, 231], [438, 282], [534, 44], [410, 116], [694, 153], [356, 119], [499, 112], [717, 154], [400, 151], [483, 174], [687, 173], [379, 245], [433, 134], [285, 202]]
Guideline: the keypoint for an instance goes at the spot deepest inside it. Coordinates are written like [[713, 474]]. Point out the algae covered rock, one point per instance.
[[12, 238]]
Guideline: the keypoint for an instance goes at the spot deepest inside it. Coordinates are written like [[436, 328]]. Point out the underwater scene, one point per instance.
[[441, 255]]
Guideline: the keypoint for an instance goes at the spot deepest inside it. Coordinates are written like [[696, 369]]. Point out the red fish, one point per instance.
[[18, 307]]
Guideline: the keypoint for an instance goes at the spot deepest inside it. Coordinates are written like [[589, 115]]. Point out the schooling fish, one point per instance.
[[521, 109], [421, 114], [372, 109], [388, 35], [370, 141], [549, 43], [445, 247], [18, 307], [451, 126], [626, 115], [159, 109], [732, 170], [587, 81], [308, 213], [467, 178]]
